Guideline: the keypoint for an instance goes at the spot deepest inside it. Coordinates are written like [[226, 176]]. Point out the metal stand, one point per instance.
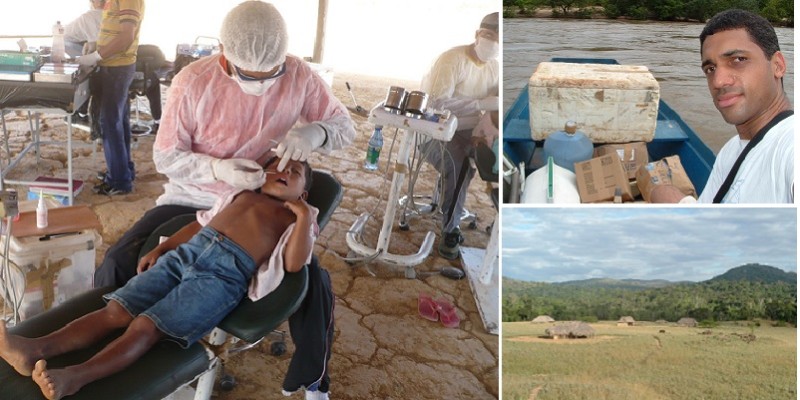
[[421, 205], [442, 130], [38, 98], [34, 145]]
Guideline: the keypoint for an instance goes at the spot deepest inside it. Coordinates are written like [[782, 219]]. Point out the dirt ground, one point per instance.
[[382, 348]]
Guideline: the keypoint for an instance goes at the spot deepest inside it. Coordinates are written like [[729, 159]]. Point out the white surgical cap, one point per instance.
[[254, 36]]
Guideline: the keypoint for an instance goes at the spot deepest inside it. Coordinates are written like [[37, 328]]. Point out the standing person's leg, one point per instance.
[[311, 327], [153, 93], [96, 93], [119, 263], [449, 163], [116, 129], [459, 148]]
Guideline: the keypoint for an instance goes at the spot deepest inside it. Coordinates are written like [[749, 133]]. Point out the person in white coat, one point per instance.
[[83, 29], [465, 81], [223, 115]]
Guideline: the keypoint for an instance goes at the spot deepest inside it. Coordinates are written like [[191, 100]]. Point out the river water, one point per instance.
[[671, 50]]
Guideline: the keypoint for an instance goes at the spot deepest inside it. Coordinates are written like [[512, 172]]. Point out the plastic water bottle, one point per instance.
[[374, 149], [568, 147], [57, 51]]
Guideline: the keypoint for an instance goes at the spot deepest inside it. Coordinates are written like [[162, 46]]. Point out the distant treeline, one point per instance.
[[779, 12], [710, 300]]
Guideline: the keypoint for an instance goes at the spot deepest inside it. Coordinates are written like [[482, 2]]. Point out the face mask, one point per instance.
[[255, 88], [487, 49]]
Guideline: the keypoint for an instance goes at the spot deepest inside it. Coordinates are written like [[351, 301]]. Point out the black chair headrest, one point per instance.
[[151, 54]]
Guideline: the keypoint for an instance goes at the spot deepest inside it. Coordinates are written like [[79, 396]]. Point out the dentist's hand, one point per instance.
[[89, 60], [238, 172], [299, 143]]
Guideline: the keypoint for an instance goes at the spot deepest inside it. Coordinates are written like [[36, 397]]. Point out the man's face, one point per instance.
[[286, 185], [742, 81]]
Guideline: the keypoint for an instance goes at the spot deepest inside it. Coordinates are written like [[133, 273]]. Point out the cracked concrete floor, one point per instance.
[[382, 348]]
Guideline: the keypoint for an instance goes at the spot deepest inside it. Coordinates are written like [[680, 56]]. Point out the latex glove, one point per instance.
[[299, 143], [89, 60], [238, 172], [491, 103]]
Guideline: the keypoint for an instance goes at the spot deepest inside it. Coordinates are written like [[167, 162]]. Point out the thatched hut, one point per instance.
[[543, 319], [688, 322], [570, 330], [626, 321]]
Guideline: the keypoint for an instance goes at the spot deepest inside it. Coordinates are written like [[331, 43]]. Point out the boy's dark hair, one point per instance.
[[306, 166], [757, 27]]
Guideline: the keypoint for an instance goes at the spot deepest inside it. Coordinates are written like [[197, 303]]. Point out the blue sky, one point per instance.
[[693, 244]]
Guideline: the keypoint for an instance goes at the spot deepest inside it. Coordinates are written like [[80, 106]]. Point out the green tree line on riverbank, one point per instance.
[[721, 300], [779, 12]]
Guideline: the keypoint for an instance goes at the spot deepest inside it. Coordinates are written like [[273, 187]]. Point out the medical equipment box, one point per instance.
[[45, 271], [20, 58], [609, 103]]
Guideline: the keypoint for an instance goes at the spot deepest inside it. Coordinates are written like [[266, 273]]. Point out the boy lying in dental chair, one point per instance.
[[186, 285]]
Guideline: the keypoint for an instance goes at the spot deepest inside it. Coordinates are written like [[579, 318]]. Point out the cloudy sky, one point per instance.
[[693, 244]]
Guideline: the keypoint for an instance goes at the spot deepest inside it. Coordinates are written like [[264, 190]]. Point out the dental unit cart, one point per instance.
[[442, 130]]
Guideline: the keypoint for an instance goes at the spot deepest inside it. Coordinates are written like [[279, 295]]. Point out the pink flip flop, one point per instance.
[[427, 308], [448, 314]]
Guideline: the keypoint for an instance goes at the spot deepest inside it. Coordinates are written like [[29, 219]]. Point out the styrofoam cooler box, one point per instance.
[[64, 263], [610, 103]]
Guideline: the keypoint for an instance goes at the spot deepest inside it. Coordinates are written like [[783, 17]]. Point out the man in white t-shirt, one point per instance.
[[744, 68], [83, 29]]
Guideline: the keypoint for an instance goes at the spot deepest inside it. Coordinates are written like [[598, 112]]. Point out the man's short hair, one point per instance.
[[490, 22], [757, 27], [309, 173]]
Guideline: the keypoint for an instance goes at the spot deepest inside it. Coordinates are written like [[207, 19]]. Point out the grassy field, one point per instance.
[[640, 363]]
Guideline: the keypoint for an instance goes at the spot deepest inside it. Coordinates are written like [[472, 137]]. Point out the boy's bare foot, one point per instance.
[[11, 350], [55, 384]]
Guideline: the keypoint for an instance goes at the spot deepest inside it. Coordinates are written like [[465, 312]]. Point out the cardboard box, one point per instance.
[[632, 155], [599, 178], [611, 103], [667, 171], [45, 273]]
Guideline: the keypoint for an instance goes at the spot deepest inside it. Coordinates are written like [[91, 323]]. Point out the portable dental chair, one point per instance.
[[167, 367]]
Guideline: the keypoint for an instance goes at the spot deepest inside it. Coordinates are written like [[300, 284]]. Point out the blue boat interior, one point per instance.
[[672, 137]]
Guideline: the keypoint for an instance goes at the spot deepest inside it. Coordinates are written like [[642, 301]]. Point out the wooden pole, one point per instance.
[[319, 43]]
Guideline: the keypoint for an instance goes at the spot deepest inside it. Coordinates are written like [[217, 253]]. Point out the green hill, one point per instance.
[[757, 273]]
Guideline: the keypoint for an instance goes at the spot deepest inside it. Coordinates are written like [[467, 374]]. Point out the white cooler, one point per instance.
[[45, 273], [610, 103]]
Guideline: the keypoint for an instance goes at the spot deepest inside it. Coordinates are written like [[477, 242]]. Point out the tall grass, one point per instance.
[[639, 363]]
